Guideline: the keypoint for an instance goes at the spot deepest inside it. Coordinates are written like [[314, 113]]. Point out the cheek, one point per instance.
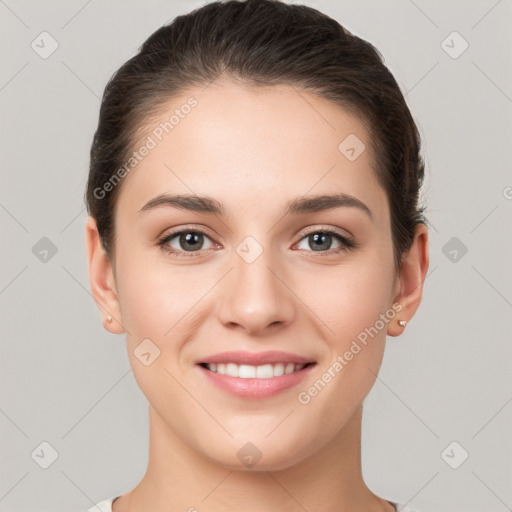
[[350, 298], [152, 305], [153, 298], [355, 307], [354, 303]]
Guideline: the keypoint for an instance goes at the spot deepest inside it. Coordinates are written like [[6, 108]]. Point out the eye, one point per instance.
[[322, 242], [186, 242]]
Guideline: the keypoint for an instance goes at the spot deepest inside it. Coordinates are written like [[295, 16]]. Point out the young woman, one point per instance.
[[254, 231]]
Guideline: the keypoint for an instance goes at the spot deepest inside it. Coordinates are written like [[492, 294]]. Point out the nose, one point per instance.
[[255, 298]]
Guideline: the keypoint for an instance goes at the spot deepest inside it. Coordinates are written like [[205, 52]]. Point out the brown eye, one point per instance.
[[323, 241], [185, 242], [190, 240]]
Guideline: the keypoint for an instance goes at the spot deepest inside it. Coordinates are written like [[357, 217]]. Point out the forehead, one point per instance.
[[244, 144]]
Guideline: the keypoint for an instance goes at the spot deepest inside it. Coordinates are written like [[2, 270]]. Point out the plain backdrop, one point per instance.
[[444, 390]]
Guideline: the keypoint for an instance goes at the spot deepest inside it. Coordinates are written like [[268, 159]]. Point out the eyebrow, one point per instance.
[[306, 204]]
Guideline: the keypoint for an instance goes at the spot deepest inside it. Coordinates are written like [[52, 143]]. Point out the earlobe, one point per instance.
[[101, 280], [411, 276]]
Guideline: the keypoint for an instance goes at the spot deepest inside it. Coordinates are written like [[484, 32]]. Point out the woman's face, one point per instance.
[[256, 276]]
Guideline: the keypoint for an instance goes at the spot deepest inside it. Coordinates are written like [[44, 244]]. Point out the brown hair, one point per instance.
[[262, 42]]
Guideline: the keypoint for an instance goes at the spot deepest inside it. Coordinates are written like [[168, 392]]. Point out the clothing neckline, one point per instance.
[[395, 505]]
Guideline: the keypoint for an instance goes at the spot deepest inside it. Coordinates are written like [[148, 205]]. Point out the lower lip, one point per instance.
[[256, 388]]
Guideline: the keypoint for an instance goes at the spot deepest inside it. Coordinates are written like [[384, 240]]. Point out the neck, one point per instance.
[[178, 478]]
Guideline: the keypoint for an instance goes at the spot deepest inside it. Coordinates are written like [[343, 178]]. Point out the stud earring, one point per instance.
[[109, 319], [402, 323]]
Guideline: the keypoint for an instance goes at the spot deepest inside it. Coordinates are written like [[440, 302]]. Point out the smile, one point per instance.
[[244, 371], [250, 382]]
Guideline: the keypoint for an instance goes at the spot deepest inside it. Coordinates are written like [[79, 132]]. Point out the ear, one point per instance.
[[410, 279], [101, 279]]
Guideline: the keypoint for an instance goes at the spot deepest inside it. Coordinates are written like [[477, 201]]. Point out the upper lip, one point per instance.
[[255, 359]]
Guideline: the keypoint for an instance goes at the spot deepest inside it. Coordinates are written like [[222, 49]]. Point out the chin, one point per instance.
[[259, 455]]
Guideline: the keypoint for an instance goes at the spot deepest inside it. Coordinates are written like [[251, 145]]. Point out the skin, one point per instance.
[[253, 150]]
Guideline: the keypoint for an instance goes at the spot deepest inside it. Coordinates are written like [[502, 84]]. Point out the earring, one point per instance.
[[402, 323], [109, 319]]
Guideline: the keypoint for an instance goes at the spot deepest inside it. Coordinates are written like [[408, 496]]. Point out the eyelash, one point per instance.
[[347, 244]]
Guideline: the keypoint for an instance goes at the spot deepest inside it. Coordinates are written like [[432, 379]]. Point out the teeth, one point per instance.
[[245, 371], [231, 370]]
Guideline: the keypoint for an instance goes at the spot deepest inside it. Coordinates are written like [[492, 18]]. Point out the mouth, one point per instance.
[[255, 376], [245, 371]]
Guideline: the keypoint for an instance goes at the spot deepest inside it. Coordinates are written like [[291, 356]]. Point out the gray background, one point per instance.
[[67, 382]]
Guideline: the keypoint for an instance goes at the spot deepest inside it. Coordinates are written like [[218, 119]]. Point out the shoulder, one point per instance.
[[404, 508], [102, 506]]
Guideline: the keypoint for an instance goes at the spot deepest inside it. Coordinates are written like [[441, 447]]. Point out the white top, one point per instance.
[[106, 506]]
